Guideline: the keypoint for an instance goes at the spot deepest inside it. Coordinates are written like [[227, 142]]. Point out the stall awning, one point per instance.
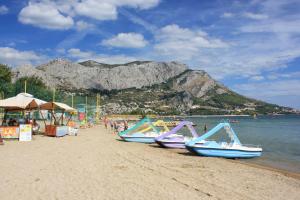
[[57, 106], [22, 101]]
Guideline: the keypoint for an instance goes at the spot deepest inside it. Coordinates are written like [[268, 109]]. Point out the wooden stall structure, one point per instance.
[[57, 128], [21, 103]]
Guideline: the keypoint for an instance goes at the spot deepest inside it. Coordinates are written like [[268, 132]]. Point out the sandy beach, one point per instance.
[[97, 165]]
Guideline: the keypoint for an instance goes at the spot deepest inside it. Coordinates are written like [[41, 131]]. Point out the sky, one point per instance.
[[251, 46]]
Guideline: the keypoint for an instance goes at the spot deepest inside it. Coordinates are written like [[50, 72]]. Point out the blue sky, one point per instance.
[[250, 46]]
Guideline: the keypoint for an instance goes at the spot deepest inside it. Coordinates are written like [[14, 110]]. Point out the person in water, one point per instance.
[[205, 128]]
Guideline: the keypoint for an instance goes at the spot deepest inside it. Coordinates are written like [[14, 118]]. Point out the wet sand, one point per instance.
[[96, 165]]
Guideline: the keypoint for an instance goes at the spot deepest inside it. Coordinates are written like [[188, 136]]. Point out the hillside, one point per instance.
[[146, 86], [92, 75]]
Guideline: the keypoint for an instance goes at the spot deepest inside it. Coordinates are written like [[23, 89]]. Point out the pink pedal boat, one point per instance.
[[173, 140]]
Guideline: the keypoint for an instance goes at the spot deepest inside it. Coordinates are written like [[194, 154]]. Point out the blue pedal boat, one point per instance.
[[234, 149], [137, 133]]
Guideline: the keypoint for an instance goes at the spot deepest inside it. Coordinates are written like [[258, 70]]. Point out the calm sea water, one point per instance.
[[279, 136]]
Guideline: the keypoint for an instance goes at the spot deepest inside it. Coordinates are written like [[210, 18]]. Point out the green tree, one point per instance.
[[6, 86], [35, 86]]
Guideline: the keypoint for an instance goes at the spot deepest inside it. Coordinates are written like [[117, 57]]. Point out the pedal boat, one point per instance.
[[173, 140], [234, 149], [146, 135]]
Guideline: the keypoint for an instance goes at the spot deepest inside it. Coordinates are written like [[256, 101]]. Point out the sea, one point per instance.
[[278, 135]]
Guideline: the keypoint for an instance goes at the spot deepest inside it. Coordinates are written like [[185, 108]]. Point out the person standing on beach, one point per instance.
[[111, 125], [1, 140], [125, 125], [105, 122], [115, 127], [35, 127]]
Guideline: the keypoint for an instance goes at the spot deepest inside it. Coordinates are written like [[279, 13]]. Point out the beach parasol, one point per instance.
[[22, 101]]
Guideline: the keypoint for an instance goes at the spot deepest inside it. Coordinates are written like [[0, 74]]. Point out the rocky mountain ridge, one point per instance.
[[146, 86], [92, 75]]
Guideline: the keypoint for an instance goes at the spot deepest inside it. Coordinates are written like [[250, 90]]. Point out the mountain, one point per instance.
[[92, 75], [146, 86]]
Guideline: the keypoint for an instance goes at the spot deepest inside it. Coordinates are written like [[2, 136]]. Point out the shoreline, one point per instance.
[[192, 116], [284, 172], [270, 168]]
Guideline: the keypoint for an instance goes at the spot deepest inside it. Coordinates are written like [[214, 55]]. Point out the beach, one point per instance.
[[97, 165]]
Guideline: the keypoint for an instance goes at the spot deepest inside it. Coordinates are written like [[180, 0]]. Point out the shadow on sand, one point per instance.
[[188, 153], [156, 146]]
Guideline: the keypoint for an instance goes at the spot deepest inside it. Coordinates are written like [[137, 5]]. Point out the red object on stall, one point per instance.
[[50, 130], [81, 116], [1, 140]]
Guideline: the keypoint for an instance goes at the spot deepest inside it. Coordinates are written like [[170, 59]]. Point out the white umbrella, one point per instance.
[[22, 101]]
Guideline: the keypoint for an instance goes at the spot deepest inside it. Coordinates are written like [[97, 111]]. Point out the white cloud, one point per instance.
[[97, 10], [142, 4], [3, 10], [273, 26], [254, 46], [45, 16], [289, 75], [77, 53], [127, 40], [227, 15], [249, 15], [183, 43], [59, 14], [107, 9], [138, 20], [267, 89], [102, 58], [257, 78], [283, 92], [244, 62], [61, 50], [255, 16], [14, 57], [82, 25]]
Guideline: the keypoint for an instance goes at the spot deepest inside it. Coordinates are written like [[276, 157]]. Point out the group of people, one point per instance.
[[15, 122], [115, 126]]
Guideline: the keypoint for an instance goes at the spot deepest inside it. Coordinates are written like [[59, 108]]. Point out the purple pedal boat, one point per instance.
[[172, 140]]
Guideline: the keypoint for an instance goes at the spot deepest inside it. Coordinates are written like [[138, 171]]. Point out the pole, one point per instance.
[[99, 101], [1, 110], [97, 107], [53, 98], [25, 86], [72, 100], [86, 105]]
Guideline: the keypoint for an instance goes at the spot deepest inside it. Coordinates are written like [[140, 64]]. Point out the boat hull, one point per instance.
[[140, 139], [225, 153], [171, 144], [175, 142]]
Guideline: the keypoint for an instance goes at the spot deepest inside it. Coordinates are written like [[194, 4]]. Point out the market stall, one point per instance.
[[57, 127], [14, 128]]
